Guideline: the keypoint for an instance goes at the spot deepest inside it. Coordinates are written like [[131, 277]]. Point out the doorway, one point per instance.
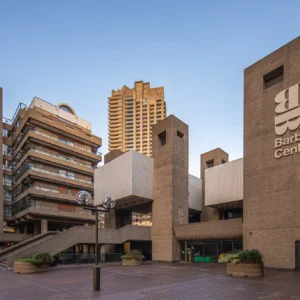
[[297, 255]]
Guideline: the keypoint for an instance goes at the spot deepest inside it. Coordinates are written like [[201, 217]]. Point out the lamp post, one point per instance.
[[84, 198]]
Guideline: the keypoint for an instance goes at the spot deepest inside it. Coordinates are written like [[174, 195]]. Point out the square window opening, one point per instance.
[[273, 77], [180, 134], [210, 163], [162, 138]]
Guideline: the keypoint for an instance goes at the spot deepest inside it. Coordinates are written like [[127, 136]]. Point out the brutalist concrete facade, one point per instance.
[[271, 156], [170, 205]]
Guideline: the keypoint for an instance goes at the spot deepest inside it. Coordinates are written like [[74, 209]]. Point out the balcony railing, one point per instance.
[[61, 140], [60, 157], [7, 121], [60, 175]]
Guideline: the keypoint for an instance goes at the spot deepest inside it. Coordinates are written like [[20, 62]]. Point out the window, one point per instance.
[[210, 163], [162, 138], [69, 192], [223, 161], [180, 134], [62, 173], [66, 109], [31, 166], [273, 77], [6, 133], [63, 140], [71, 175], [7, 195], [7, 180]]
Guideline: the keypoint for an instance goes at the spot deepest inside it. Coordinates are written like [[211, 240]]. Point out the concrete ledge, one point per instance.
[[245, 270], [27, 268], [220, 229]]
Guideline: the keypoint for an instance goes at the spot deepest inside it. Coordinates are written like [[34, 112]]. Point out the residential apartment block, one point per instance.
[[49, 154], [131, 114]]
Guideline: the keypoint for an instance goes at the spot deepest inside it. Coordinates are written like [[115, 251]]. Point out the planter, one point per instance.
[[131, 262], [245, 270], [27, 268]]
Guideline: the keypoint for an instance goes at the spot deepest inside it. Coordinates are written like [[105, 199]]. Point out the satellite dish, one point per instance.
[[83, 197], [108, 202]]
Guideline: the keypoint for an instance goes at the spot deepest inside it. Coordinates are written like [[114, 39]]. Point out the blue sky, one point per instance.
[[78, 51]]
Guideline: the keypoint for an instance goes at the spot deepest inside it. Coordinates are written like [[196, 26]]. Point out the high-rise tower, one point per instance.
[[131, 114]]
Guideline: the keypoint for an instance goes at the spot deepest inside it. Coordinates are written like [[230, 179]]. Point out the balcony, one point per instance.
[[71, 146], [50, 193]]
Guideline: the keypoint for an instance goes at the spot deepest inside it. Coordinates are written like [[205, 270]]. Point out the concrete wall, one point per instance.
[[36, 102], [271, 184], [195, 192], [211, 230], [132, 174], [224, 183]]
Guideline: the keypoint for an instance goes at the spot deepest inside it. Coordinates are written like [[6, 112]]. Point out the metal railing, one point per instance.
[[74, 258], [7, 121]]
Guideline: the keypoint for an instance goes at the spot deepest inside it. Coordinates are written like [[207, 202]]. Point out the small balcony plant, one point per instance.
[[246, 263], [133, 258], [39, 262]]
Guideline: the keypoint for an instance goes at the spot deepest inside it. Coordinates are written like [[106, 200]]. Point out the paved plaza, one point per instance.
[[151, 281]]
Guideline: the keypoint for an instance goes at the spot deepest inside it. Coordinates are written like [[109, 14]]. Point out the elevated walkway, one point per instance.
[[61, 241]]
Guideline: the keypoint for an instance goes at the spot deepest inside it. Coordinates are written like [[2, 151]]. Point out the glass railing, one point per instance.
[[60, 175], [73, 144]]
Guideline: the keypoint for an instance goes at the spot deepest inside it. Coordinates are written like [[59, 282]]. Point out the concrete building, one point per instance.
[[251, 202], [49, 154], [131, 114]]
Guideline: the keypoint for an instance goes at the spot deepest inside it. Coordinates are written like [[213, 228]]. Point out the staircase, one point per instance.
[[23, 245], [56, 242]]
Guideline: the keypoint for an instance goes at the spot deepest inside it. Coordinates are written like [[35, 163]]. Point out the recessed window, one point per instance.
[[66, 109], [273, 77], [210, 163], [162, 138], [223, 161], [180, 134]]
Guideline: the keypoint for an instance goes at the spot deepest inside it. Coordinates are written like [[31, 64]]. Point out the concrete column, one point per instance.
[[171, 157], [86, 224], [102, 251], [110, 219], [85, 249], [44, 225], [37, 228], [77, 248]]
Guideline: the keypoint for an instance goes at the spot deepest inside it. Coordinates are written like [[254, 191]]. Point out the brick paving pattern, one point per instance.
[[149, 282]]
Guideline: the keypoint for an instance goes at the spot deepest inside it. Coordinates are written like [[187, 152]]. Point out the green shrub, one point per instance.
[[134, 254], [34, 261], [229, 257], [45, 257], [250, 256]]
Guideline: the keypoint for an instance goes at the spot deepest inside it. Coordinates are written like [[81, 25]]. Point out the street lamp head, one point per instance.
[[108, 202], [83, 197]]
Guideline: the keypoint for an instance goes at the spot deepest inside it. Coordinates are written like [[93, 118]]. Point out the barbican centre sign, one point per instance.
[[287, 119]]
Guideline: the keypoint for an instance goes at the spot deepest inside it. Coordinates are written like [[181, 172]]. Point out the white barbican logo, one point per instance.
[[287, 118]]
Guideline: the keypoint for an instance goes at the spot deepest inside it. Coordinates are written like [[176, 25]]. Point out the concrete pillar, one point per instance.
[[110, 219], [44, 225], [86, 224], [85, 249], [102, 251], [37, 228], [170, 153], [210, 159], [77, 248]]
